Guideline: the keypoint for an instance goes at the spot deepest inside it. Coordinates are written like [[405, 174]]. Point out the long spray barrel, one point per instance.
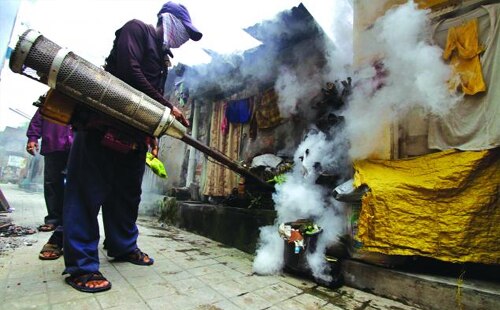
[[44, 61]]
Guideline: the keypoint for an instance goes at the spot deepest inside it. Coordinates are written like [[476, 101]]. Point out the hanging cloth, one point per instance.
[[462, 50], [239, 111], [224, 124], [253, 127], [474, 123], [219, 180], [267, 111]]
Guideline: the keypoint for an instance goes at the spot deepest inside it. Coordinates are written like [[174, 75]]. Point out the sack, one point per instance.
[[58, 108]]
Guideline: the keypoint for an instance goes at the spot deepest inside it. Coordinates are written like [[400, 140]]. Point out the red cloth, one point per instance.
[[224, 126]]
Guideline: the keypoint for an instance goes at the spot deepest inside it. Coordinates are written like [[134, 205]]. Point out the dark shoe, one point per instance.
[[80, 282], [46, 227], [136, 257], [53, 250]]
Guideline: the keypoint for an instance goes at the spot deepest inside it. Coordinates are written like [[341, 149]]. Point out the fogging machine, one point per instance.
[[75, 81]]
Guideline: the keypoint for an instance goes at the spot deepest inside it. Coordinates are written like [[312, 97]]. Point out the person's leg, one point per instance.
[[121, 208], [54, 186], [55, 165], [50, 189], [87, 185]]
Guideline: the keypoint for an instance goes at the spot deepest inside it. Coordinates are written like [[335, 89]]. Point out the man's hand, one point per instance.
[[154, 147], [179, 116], [32, 147]]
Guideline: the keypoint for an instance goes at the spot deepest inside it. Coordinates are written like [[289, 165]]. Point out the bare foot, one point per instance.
[[90, 283], [94, 283], [50, 252]]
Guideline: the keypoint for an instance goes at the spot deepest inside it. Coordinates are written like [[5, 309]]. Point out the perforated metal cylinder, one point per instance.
[[41, 59]]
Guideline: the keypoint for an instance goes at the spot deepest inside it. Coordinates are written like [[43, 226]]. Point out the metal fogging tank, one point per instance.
[[41, 59]]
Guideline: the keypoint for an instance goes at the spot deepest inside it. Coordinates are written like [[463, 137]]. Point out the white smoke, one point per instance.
[[297, 83], [411, 74], [332, 225], [269, 258], [340, 56], [293, 87], [301, 198]]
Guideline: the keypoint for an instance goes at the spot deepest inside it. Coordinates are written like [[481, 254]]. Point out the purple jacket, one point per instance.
[[54, 137], [137, 58]]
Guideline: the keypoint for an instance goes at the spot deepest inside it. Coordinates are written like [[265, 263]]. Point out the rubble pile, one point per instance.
[[11, 236]]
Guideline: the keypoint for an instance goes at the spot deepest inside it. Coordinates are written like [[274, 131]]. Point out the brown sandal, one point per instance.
[[54, 252], [80, 282], [136, 257], [47, 227]]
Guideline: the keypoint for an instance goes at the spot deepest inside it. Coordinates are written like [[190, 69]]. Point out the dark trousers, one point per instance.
[[54, 174], [98, 176]]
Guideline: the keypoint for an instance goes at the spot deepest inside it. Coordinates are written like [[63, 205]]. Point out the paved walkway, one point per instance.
[[190, 272]]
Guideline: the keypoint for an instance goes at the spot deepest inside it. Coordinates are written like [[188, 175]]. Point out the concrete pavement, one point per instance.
[[190, 272]]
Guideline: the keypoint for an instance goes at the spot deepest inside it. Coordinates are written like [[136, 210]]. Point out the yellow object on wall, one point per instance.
[[463, 50], [443, 205], [432, 4]]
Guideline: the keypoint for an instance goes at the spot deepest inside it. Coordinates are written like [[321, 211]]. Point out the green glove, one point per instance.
[[156, 165]]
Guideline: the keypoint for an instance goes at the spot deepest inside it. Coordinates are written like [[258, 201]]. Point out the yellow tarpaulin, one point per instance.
[[443, 205]]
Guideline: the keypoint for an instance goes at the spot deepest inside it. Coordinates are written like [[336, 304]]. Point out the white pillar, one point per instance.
[[192, 151]]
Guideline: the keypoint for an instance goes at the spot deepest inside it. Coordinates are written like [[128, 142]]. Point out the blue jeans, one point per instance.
[[98, 176]]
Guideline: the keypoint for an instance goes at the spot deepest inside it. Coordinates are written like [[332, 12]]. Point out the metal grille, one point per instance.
[[40, 58]]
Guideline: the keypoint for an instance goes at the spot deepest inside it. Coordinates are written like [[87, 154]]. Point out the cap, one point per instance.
[[180, 11]]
